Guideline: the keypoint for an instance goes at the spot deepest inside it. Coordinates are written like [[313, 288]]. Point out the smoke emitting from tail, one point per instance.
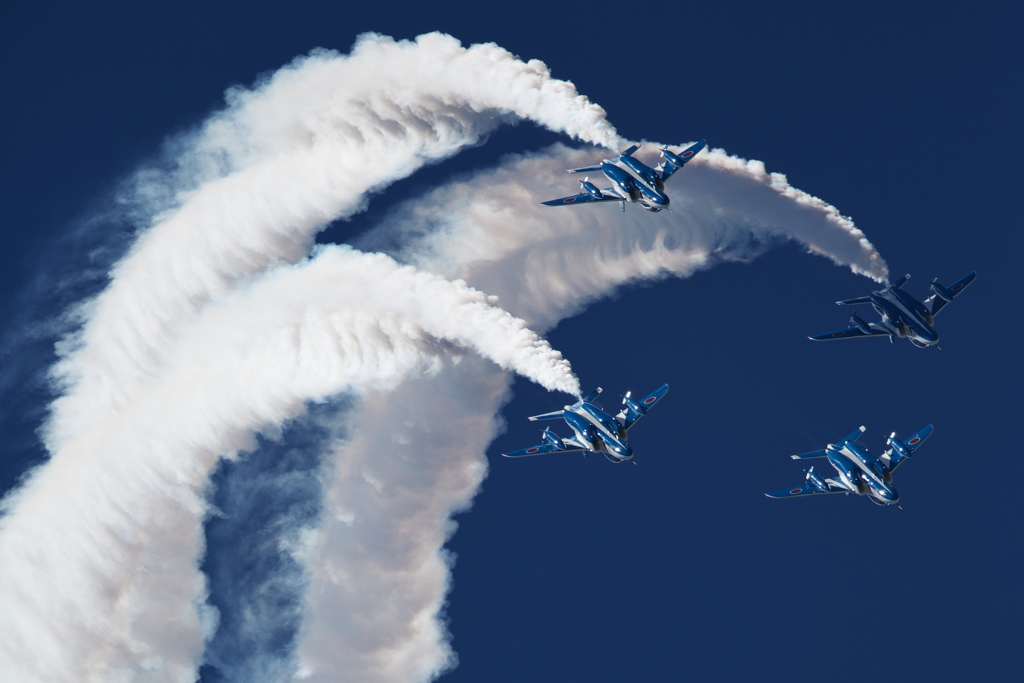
[[223, 322]]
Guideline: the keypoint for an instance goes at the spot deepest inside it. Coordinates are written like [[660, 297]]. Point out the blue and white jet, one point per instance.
[[634, 181], [902, 315], [859, 471], [596, 431]]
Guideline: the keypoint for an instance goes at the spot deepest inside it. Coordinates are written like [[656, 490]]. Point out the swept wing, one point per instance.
[[875, 330], [552, 444], [944, 295], [901, 449], [806, 489], [541, 449], [607, 195], [813, 486], [634, 409], [674, 162]]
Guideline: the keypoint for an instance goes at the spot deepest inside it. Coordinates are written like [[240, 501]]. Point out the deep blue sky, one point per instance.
[[907, 118]]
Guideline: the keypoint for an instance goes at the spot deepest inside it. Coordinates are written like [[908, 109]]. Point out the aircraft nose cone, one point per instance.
[[888, 495]]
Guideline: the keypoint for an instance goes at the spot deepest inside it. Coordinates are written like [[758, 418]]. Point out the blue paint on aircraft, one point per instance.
[[902, 315], [634, 181], [595, 430], [858, 470]]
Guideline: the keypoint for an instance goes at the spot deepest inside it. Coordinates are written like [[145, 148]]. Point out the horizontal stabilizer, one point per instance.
[[585, 169], [854, 435], [811, 454], [858, 300], [557, 415], [629, 152], [900, 282]]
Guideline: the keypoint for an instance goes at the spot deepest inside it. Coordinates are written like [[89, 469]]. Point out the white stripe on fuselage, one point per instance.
[[862, 466], [592, 419], [617, 163], [911, 314]]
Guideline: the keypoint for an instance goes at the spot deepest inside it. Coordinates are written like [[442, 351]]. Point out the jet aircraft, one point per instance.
[[634, 181], [902, 315], [596, 431], [859, 471]]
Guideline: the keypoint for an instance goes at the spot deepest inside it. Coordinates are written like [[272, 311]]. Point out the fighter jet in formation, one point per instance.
[[633, 180], [902, 315], [595, 430], [859, 471]]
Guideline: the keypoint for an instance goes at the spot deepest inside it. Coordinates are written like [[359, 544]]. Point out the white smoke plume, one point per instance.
[[545, 263], [214, 329], [263, 177], [125, 496], [186, 355]]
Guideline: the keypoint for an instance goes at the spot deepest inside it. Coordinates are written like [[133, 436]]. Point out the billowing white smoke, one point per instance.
[[547, 262], [208, 335], [123, 499], [281, 162], [368, 622], [201, 339]]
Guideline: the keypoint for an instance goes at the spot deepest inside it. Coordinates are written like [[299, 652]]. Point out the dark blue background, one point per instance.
[[907, 118]]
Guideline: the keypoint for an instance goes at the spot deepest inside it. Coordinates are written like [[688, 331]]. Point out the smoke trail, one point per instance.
[[253, 360], [196, 344], [545, 263], [214, 328], [261, 178]]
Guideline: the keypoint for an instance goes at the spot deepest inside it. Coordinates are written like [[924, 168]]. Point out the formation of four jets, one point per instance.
[[903, 316]]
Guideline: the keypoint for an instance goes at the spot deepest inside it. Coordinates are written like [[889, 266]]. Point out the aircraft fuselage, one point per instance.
[[637, 182], [905, 316], [861, 472], [598, 431]]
